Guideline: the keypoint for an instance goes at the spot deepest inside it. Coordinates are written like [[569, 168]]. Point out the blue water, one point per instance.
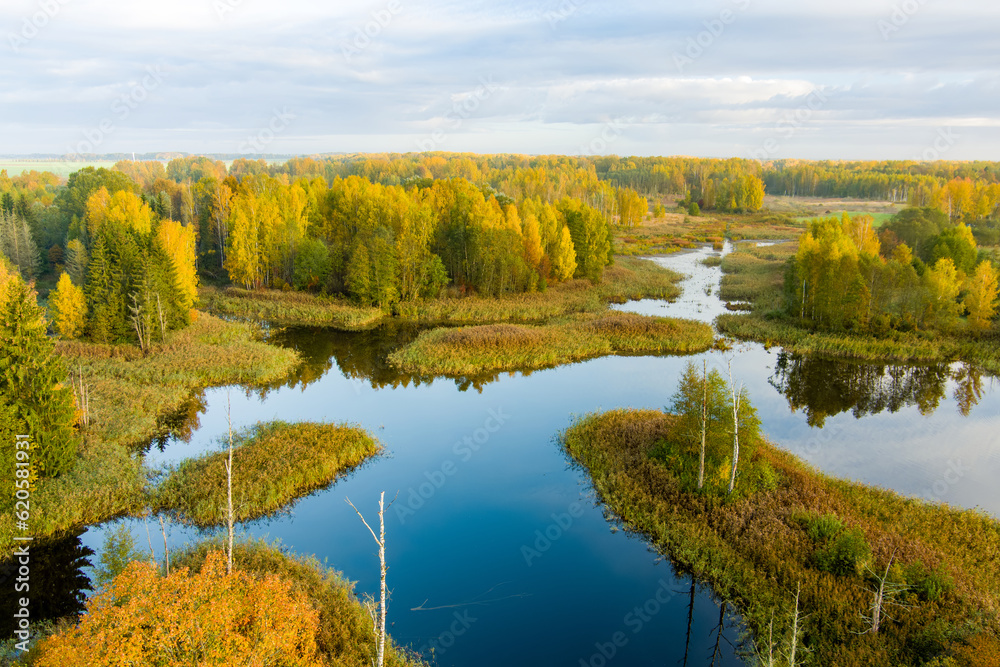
[[500, 553]]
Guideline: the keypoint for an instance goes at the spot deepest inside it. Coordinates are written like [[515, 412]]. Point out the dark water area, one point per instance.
[[499, 551], [54, 579]]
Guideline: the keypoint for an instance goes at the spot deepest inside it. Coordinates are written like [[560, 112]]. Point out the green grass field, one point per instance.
[[61, 168], [880, 218]]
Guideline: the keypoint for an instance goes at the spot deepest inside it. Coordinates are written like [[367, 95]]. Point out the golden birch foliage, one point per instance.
[[69, 307], [96, 210], [942, 285], [208, 618], [123, 208], [564, 258], [861, 229], [533, 250], [179, 243], [981, 300]]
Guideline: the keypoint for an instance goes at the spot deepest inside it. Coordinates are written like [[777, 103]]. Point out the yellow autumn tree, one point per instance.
[[69, 308], [207, 619], [981, 297], [179, 243], [533, 250], [124, 208], [564, 257], [942, 285]]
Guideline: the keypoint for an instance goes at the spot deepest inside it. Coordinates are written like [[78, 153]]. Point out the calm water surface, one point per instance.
[[499, 551]]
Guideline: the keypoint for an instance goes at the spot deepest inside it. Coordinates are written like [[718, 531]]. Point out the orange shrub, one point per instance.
[[208, 618]]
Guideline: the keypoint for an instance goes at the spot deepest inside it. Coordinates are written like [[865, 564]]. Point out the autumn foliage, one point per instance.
[[204, 618]]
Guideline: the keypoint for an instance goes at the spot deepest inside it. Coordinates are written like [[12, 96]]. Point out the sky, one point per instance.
[[766, 79]]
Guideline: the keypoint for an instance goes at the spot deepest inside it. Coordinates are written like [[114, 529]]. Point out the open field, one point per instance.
[[61, 168], [821, 206]]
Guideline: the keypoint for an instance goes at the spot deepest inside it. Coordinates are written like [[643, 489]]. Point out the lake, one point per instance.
[[499, 551]]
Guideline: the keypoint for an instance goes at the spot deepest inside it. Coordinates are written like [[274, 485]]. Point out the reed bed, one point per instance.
[[130, 394], [274, 464], [290, 308], [756, 550], [476, 351], [628, 279]]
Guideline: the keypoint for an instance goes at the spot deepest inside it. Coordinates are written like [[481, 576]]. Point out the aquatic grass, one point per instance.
[[130, 391], [480, 350], [290, 308], [131, 395], [345, 636], [756, 550], [915, 347], [274, 464], [627, 279]]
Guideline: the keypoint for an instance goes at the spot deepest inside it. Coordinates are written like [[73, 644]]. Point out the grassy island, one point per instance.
[[274, 464], [797, 529], [471, 351]]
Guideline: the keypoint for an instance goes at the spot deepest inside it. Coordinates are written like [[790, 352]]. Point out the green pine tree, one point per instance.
[[32, 376]]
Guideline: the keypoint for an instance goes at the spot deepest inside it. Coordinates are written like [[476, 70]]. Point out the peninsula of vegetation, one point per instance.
[[844, 573]]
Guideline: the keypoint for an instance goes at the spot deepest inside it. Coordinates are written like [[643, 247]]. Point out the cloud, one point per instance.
[[384, 73]]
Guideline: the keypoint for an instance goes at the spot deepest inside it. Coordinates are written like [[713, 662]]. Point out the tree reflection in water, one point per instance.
[[824, 387]]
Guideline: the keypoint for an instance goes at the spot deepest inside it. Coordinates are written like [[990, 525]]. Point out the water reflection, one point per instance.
[[823, 387], [56, 581]]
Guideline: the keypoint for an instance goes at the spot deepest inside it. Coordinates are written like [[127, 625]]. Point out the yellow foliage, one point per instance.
[[123, 208], [69, 308], [179, 243], [981, 300], [209, 618]]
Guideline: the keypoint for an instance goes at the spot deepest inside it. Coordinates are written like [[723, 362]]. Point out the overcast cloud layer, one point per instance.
[[871, 79]]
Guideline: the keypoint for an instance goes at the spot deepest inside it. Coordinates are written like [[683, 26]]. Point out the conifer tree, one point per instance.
[[32, 377]]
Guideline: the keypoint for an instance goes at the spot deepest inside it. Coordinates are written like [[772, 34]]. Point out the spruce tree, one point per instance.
[[33, 378]]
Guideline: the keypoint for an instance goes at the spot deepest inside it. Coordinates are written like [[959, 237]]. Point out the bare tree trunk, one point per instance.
[[737, 399], [149, 538], [229, 486], [379, 618], [166, 551], [704, 420], [159, 311], [794, 642]]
